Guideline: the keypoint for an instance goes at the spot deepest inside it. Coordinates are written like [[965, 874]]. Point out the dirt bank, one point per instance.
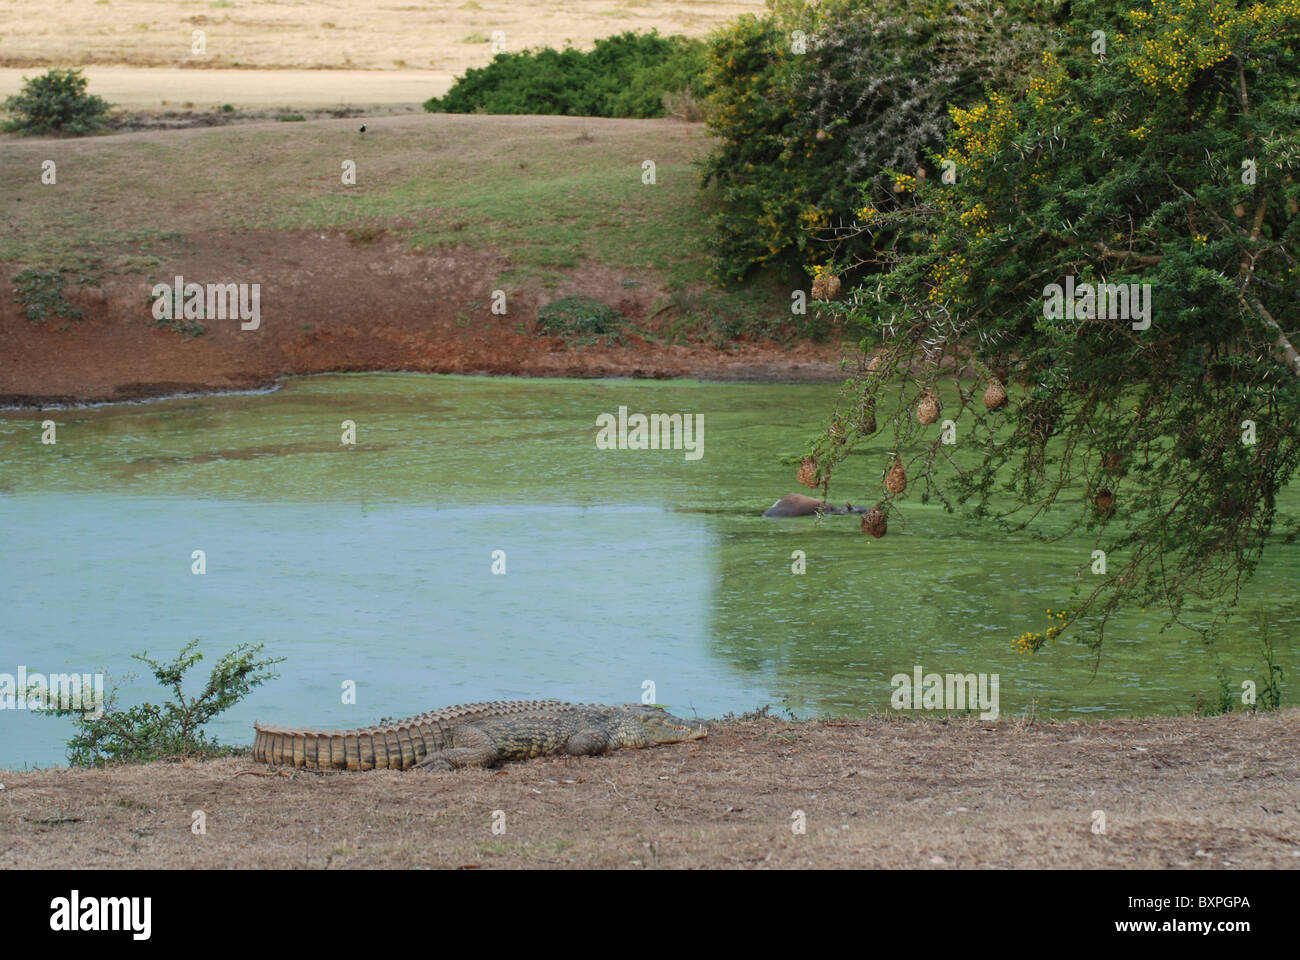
[[882, 792], [339, 301]]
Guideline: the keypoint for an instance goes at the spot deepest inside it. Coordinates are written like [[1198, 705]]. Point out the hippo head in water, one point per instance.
[[797, 505]]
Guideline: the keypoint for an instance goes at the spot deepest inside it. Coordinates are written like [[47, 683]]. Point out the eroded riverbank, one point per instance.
[[342, 316]]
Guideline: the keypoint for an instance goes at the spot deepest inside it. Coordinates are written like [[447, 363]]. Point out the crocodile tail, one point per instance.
[[397, 746]]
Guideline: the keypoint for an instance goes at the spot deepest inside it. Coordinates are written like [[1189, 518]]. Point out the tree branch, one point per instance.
[[1150, 259], [1288, 350]]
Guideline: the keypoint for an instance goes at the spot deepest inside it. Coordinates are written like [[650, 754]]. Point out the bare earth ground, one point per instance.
[[154, 88], [879, 792]]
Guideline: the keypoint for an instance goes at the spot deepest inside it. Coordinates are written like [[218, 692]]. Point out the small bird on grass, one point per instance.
[[363, 128]]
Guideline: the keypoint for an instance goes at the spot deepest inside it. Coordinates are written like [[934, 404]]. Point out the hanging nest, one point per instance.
[[808, 471], [836, 431], [873, 364], [1112, 461], [867, 417], [1104, 502], [826, 286], [896, 478], [995, 395], [927, 409], [873, 522]]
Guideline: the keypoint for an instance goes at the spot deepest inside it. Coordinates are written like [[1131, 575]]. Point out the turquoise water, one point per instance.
[[372, 564]]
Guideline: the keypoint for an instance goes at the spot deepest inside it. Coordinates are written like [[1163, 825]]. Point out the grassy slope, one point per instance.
[[549, 192]]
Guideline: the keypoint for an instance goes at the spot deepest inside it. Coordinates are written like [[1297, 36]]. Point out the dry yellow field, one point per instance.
[[405, 52], [345, 34]]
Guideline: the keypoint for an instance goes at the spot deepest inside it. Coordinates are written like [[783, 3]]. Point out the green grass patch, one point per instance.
[[40, 294], [583, 319]]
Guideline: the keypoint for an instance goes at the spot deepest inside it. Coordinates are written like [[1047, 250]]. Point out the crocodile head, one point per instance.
[[659, 726]]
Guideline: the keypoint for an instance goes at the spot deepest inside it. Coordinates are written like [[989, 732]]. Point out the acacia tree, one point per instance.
[[797, 125], [1157, 149]]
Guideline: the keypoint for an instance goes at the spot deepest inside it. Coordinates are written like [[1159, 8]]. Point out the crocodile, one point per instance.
[[475, 735], [797, 505]]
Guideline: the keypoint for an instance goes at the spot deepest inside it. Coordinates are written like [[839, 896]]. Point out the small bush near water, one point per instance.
[[172, 730]]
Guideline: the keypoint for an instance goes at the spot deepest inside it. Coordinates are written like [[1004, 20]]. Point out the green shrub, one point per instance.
[[751, 112], [40, 293], [55, 103], [800, 133], [679, 75], [174, 729], [578, 316], [622, 76], [187, 327]]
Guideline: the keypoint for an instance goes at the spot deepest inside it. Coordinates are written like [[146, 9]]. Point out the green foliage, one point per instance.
[[1269, 693], [751, 314], [1225, 699], [681, 71], [1123, 168], [173, 729], [580, 317], [40, 294], [55, 103], [188, 328], [751, 112], [799, 133], [1229, 697], [626, 75]]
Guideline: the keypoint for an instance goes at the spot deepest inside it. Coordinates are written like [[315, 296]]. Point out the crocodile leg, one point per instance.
[[588, 742], [457, 757], [469, 747]]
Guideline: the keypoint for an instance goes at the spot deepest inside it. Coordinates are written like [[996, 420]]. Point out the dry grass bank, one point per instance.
[[882, 792]]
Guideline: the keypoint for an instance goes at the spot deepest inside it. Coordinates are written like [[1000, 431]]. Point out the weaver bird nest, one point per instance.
[[873, 523]]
